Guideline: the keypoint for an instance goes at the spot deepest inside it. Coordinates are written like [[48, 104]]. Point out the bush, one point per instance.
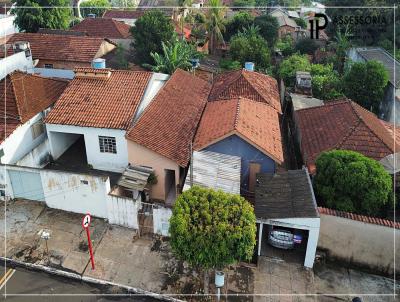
[[237, 23], [97, 7], [349, 181], [268, 26], [285, 45], [287, 69], [228, 64], [326, 84], [306, 46]]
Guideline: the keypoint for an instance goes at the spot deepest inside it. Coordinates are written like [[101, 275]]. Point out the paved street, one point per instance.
[[24, 285]]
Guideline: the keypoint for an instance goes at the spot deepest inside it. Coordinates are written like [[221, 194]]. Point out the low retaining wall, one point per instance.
[[360, 243]]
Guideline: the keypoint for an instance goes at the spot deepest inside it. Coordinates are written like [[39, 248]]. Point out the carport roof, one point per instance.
[[285, 195]]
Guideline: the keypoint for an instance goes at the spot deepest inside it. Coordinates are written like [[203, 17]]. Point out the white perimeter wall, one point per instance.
[[14, 62], [161, 218], [101, 161], [21, 142]]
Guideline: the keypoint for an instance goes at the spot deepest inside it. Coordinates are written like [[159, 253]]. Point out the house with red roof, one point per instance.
[[242, 118], [161, 138], [124, 15], [88, 124], [344, 125], [25, 99]]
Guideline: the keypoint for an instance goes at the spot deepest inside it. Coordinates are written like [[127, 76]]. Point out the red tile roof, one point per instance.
[[393, 130], [361, 218], [248, 84], [100, 99], [168, 124], [342, 125], [61, 47], [22, 96], [123, 14], [103, 27], [255, 122]]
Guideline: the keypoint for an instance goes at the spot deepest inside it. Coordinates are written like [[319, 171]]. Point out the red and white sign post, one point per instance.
[[85, 224]]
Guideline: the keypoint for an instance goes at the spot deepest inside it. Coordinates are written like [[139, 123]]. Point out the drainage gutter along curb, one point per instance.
[[85, 279]]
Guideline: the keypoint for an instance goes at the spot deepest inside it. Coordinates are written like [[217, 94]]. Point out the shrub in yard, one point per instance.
[[349, 181]]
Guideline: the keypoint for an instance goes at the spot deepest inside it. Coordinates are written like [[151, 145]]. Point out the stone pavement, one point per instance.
[[148, 263]]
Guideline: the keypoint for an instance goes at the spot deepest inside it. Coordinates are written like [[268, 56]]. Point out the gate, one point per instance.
[[27, 185], [145, 219]]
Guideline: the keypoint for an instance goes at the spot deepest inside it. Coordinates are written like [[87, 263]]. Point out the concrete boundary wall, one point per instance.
[[360, 243]]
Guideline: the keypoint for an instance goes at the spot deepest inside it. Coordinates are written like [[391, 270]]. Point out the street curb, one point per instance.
[[85, 279]]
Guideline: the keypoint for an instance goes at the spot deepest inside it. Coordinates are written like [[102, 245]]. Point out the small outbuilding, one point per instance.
[[286, 208]]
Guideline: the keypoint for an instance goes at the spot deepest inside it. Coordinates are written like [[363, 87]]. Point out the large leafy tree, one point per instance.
[[268, 26], [238, 22], [349, 181], [97, 7], [212, 229], [289, 66], [326, 82], [248, 45], [149, 32], [34, 14], [365, 84], [215, 24], [175, 54]]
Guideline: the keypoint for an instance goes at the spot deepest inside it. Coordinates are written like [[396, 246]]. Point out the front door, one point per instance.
[[253, 170]]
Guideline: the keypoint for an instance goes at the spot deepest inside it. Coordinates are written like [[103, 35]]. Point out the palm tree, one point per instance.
[[214, 24], [176, 54], [341, 44]]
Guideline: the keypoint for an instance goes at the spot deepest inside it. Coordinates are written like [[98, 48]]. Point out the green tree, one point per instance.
[[349, 181], [289, 66], [247, 46], [301, 22], [306, 46], [123, 3], [176, 54], [227, 64], [238, 22], [149, 32], [212, 229], [326, 83], [365, 84], [41, 14], [120, 54], [97, 7], [285, 45], [268, 26], [215, 24], [340, 45], [244, 3]]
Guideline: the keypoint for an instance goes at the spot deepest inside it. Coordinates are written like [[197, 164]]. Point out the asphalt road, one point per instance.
[[24, 285]]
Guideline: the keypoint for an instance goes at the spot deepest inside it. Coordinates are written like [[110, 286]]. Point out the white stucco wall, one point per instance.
[[101, 161], [69, 192], [7, 26], [37, 158], [21, 142], [14, 62]]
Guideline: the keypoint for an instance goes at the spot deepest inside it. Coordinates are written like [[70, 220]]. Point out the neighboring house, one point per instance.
[[248, 84], [169, 7], [24, 101], [127, 16], [344, 125], [64, 51], [17, 57], [390, 106], [245, 128], [94, 113], [162, 136], [286, 201], [288, 26], [280, 12], [116, 31]]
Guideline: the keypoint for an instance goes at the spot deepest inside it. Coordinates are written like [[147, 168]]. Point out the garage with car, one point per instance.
[[287, 216]]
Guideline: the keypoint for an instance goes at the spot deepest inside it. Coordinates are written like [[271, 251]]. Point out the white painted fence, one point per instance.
[[84, 193]]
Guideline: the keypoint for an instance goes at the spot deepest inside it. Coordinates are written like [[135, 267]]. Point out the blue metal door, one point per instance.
[[27, 185]]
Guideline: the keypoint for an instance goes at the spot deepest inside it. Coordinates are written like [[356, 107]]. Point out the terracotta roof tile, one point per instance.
[[60, 47], [256, 122], [99, 99], [23, 96], [393, 130], [249, 84], [123, 14], [168, 124], [103, 27], [342, 125], [361, 218]]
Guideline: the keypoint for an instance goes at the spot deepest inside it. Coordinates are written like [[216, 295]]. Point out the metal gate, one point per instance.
[[145, 219], [27, 185]]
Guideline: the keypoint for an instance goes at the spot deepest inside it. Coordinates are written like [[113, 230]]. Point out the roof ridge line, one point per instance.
[[368, 126], [237, 113]]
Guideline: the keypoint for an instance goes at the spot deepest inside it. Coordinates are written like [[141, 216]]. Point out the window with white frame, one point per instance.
[[107, 144]]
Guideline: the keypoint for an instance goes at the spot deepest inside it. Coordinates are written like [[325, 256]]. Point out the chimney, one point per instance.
[[249, 66]]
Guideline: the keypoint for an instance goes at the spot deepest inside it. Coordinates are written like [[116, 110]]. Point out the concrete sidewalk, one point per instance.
[[147, 263]]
